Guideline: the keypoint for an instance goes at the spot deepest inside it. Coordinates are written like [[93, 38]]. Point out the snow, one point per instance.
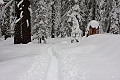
[[53, 68], [21, 63], [30, 10], [18, 20], [76, 1], [76, 7], [18, 5], [1, 1], [27, 22], [93, 24], [21, 14], [95, 58], [8, 4]]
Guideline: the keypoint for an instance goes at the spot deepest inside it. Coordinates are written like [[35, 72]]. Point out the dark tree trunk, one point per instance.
[[26, 30], [108, 26], [17, 34], [94, 9], [53, 20], [23, 27]]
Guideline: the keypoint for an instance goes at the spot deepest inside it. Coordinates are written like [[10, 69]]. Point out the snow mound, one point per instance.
[[96, 58], [23, 62], [93, 24]]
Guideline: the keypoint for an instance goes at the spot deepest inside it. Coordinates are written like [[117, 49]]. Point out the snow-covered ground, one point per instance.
[[95, 58]]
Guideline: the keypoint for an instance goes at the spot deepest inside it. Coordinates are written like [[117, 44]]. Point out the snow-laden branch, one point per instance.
[[18, 20], [20, 3], [51, 3], [21, 16], [30, 10], [8, 4]]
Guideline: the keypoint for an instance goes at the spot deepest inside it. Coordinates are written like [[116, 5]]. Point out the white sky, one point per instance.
[[1, 1]]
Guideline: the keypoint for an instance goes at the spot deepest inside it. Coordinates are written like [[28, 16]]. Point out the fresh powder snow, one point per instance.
[[95, 58]]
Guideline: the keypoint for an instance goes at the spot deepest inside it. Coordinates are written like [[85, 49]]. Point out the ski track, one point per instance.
[[43, 67], [38, 68], [52, 73]]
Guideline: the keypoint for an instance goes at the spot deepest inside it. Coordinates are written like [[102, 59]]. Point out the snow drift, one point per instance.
[[96, 58], [23, 62]]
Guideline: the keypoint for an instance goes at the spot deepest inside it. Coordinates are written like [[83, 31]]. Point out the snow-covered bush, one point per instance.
[[114, 29], [75, 19]]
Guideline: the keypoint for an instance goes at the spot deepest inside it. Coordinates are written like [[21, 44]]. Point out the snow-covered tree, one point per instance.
[[8, 18], [6, 28], [115, 16], [40, 21], [12, 18], [65, 26], [53, 19], [1, 17], [105, 9], [75, 19]]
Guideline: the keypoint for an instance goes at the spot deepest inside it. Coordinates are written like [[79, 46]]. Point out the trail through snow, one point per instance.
[[96, 58], [44, 67], [52, 73]]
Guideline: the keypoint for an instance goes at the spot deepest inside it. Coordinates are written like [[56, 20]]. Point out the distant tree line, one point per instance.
[[55, 18]]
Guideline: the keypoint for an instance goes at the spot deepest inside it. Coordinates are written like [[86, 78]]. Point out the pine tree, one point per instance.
[[6, 22], [42, 23], [105, 18], [1, 17], [12, 18], [6, 28], [115, 15], [65, 25]]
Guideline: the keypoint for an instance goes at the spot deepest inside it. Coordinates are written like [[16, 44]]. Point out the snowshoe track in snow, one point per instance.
[[44, 66], [52, 73]]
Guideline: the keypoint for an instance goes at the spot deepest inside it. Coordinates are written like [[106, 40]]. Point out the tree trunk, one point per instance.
[[26, 29], [23, 27], [94, 9], [17, 34], [53, 20]]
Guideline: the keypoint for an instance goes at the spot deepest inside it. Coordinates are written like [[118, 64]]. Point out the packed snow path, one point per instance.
[[44, 67], [52, 73]]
